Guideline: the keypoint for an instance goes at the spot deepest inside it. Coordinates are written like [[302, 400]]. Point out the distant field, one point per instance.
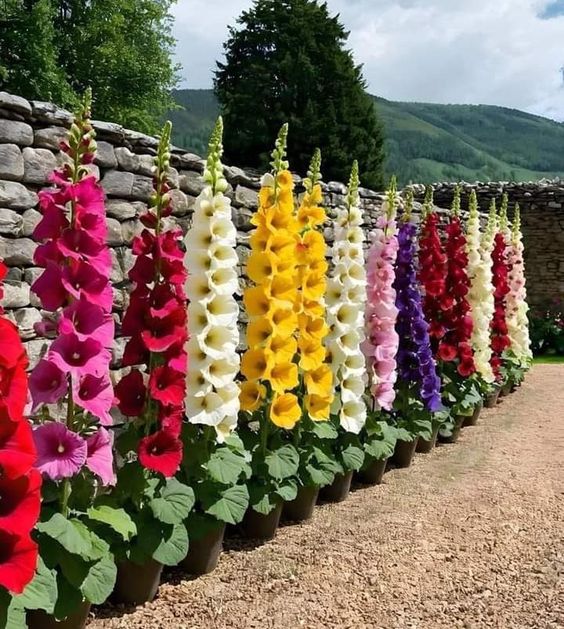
[[426, 142]]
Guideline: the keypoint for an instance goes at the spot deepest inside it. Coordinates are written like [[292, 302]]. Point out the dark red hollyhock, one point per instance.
[[499, 334], [156, 322], [17, 449], [20, 502], [455, 345]]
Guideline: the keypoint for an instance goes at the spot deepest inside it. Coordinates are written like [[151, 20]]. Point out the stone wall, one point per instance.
[[30, 133], [542, 213]]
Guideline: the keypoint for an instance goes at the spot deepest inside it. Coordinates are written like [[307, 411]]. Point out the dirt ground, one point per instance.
[[471, 536]]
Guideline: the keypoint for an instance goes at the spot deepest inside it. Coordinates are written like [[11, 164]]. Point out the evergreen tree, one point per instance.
[[288, 63], [55, 49]]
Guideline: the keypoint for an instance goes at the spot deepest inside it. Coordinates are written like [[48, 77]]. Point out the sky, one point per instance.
[[494, 52]]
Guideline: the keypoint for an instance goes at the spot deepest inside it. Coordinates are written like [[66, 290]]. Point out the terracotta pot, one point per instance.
[[472, 420], [491, 399], [204, 553], [404, 453], [453, 438], [38, 619], [424, 446], [137, 583], [338, 490], [374, 472], [301, 508], [258, 526]]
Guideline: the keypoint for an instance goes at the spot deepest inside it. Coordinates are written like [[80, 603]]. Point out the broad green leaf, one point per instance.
[[282, 462], [173, 546], [262, 499], [100, 580], [41, 593], [225, 466], [118, 519], [320, 477], [288, 490], [12, 612], [174, 504], [353, 457], [324, 430], [69, 598], [379, 449], [231, 504], [69, 536]]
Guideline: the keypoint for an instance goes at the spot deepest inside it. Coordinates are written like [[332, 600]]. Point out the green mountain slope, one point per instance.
[[427, 142]]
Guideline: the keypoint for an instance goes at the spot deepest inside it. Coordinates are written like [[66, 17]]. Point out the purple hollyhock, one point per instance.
[[61, 453], [416, 365]]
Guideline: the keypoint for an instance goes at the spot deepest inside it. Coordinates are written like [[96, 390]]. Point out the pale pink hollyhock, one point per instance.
[[87, 320], [99, 458], [77, 357], [95, 395], [47, 383], [61, 453]]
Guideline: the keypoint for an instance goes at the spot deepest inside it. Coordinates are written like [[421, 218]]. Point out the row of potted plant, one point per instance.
[[346, 363]]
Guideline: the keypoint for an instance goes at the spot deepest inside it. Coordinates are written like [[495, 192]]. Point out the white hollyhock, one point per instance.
[[346, 298], [480, 295], [212, 395], [517, 307]]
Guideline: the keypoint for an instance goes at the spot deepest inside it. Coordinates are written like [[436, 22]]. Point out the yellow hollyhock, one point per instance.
[[319, 381], [255, 364], [285, 412], [283, 377], [318, 407], [251, 395]]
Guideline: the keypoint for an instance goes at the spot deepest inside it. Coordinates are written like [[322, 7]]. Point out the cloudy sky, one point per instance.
[[498, 52]]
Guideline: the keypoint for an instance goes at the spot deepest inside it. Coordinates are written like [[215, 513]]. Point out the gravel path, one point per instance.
[[470, 536]]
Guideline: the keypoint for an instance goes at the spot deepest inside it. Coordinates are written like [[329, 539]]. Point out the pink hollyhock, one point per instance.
[[61, 453], [47, 383], [161, 452], [20, 502], [382, 340], [79, 358], [99, 457], [87, 320], [82, 279], [18, 559], [95, 395]]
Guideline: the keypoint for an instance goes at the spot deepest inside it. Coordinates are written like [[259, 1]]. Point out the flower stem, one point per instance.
[[65, 498]]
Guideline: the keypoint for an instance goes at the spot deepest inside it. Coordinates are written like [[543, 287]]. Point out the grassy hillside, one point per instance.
[[426, 142]]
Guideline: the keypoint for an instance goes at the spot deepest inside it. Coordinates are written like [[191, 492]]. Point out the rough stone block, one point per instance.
[[190, 182], [105, 155], [115, 237], [15, 132], [118, 184], [16, 294], [11, 162], [10, 223], [181, 204], [17, 251], [145, 165], [50, 137], [246, 197], [36, 349], [30, 219], [15, 196], [15, 103], [142, 188], [127, 160], [38, 165], [26, 318], [124, 210], [50, 113]]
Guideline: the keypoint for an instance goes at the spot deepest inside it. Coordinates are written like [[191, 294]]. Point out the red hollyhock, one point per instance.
[[499, 337], [20, 502], [156, 322], [161, 452], [18, 558], [17, 450]]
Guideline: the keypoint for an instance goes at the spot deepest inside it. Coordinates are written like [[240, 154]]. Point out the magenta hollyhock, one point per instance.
[[75, 286], [156, 322], [99, 456]]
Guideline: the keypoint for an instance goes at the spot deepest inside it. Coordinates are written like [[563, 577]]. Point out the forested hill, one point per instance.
[[426, 142]]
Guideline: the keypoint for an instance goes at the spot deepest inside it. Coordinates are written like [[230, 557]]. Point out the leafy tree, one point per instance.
[[288, 63], [121, 49]]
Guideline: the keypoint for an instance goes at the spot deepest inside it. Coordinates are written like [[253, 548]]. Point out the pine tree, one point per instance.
[[288, 63]]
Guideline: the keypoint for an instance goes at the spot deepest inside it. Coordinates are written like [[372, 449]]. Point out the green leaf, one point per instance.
[[353, 457], [100, 580], [288, 490], [70, 536], [41, 593], [225, 466], [68, 600], [378, 449], [173, 546], [283, 462], [262, 499], [12, 612], [174, 504], [118, 519], [230, 505], [320, 477], [324, 430]]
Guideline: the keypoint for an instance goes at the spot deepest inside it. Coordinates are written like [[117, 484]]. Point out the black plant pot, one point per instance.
[[472, 420], [301, 508], [424, 446], [262, 527], [373, 473], [404, 453], [492, 398], [338, 490], [506, 389], [203, 555], [137, 583], [38, 619], [453, 437]]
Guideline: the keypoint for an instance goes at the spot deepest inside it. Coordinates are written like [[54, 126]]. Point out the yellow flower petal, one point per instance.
[[318, 407], [319, 381], [254, 364], [285, 412], [251, 395], [283, 377], [256, 301]]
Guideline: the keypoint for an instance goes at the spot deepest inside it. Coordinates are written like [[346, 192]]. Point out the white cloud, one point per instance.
[[468, 51]]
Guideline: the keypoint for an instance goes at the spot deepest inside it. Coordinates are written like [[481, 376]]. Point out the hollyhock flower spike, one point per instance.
[[416, 366], [481, 293], [347, 324], [75, 287], [382, 341], [211, 258], [156, 322], [517, 307]]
